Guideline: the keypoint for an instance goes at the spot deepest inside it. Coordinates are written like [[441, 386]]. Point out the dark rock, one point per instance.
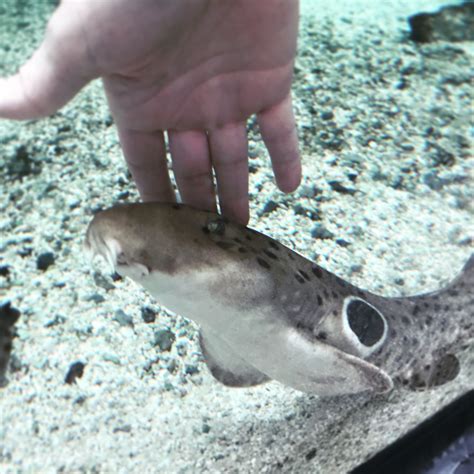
[[191, 369], [310, 454], [356, 268], [148, 314], [116, 277], [205, 428], [44, 260], [22, 164], [343, 243], [301, 210], [320, 232], [123, 318], [96, 298], [439, 155], [102, 281], [4, 270], [76, 371], [327, 115], [164, 339], [8, 317], [270, 206], [450, 23], [340, 188]]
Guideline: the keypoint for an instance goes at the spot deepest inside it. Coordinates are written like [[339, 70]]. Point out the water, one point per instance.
[[385, 132]]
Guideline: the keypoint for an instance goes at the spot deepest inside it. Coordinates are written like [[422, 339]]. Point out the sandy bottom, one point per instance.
[[377, 114]]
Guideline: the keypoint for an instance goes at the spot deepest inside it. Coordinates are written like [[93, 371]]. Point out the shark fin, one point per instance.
[[225, 365], [439, 372]]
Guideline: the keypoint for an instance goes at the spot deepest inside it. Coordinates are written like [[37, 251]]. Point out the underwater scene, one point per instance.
[[319, 319]]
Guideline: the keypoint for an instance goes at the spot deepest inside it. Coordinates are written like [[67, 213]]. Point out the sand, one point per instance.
[[376, 113]]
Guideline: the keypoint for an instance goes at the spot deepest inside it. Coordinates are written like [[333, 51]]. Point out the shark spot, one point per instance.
[[291, 256], [299, 278], [225, 245], [416, 309], [365, 321], [273, 245], [446, 307], [304, 275], [248, 237], [236, 239], [335, 294], [437, 307], [270, 254], [242, 250], [205, 230], [263, 263], [176, 206], [317, 271], [406, 320], [326, 293], [320, 300]]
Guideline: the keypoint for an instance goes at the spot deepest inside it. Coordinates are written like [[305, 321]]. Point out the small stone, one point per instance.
[[205, 428], [191, 369], [148, 314], [4, 270], [327, 115], [75, 371], [320, 232], [270, 206], [45, 260], [164, 339], [340, 188], [310, 454], [343, 243], [309, 191], [356, 268], [96, 298], [102, 281], [123, 318]]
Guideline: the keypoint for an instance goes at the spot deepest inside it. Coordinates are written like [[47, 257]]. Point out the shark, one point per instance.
[[266, 312]]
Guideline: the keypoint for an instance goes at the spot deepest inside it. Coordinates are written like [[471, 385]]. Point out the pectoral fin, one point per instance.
[[227, 366], [437, 373]]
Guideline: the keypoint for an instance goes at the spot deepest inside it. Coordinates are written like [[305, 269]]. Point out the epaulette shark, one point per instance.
[[266, 312]]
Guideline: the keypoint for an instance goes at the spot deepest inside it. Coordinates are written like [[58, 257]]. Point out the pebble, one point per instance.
[[123, 318], [164, 339], [76, 370], [148, 314], [321, 232], [45, 260]]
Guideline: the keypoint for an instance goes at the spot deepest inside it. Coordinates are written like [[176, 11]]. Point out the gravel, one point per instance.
[[388, 178]]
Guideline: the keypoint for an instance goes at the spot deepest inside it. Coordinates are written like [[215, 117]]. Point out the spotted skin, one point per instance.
[[267, 312]]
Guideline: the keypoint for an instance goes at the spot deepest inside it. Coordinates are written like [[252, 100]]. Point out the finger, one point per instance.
[[229, 153], [278, 129], [145, 153], [192, 168], [58, 69]]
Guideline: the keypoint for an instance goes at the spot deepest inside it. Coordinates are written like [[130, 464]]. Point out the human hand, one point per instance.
[[193, 69]]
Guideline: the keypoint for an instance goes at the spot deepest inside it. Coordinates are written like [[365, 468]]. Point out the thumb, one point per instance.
[[58, 69]]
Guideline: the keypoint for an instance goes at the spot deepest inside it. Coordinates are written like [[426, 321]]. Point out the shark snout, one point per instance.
[[102, 248]]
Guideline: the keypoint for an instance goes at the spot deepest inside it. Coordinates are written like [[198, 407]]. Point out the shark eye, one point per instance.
[[366, 324]]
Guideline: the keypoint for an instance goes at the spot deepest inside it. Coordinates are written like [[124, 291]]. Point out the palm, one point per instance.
[[196, 69]]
